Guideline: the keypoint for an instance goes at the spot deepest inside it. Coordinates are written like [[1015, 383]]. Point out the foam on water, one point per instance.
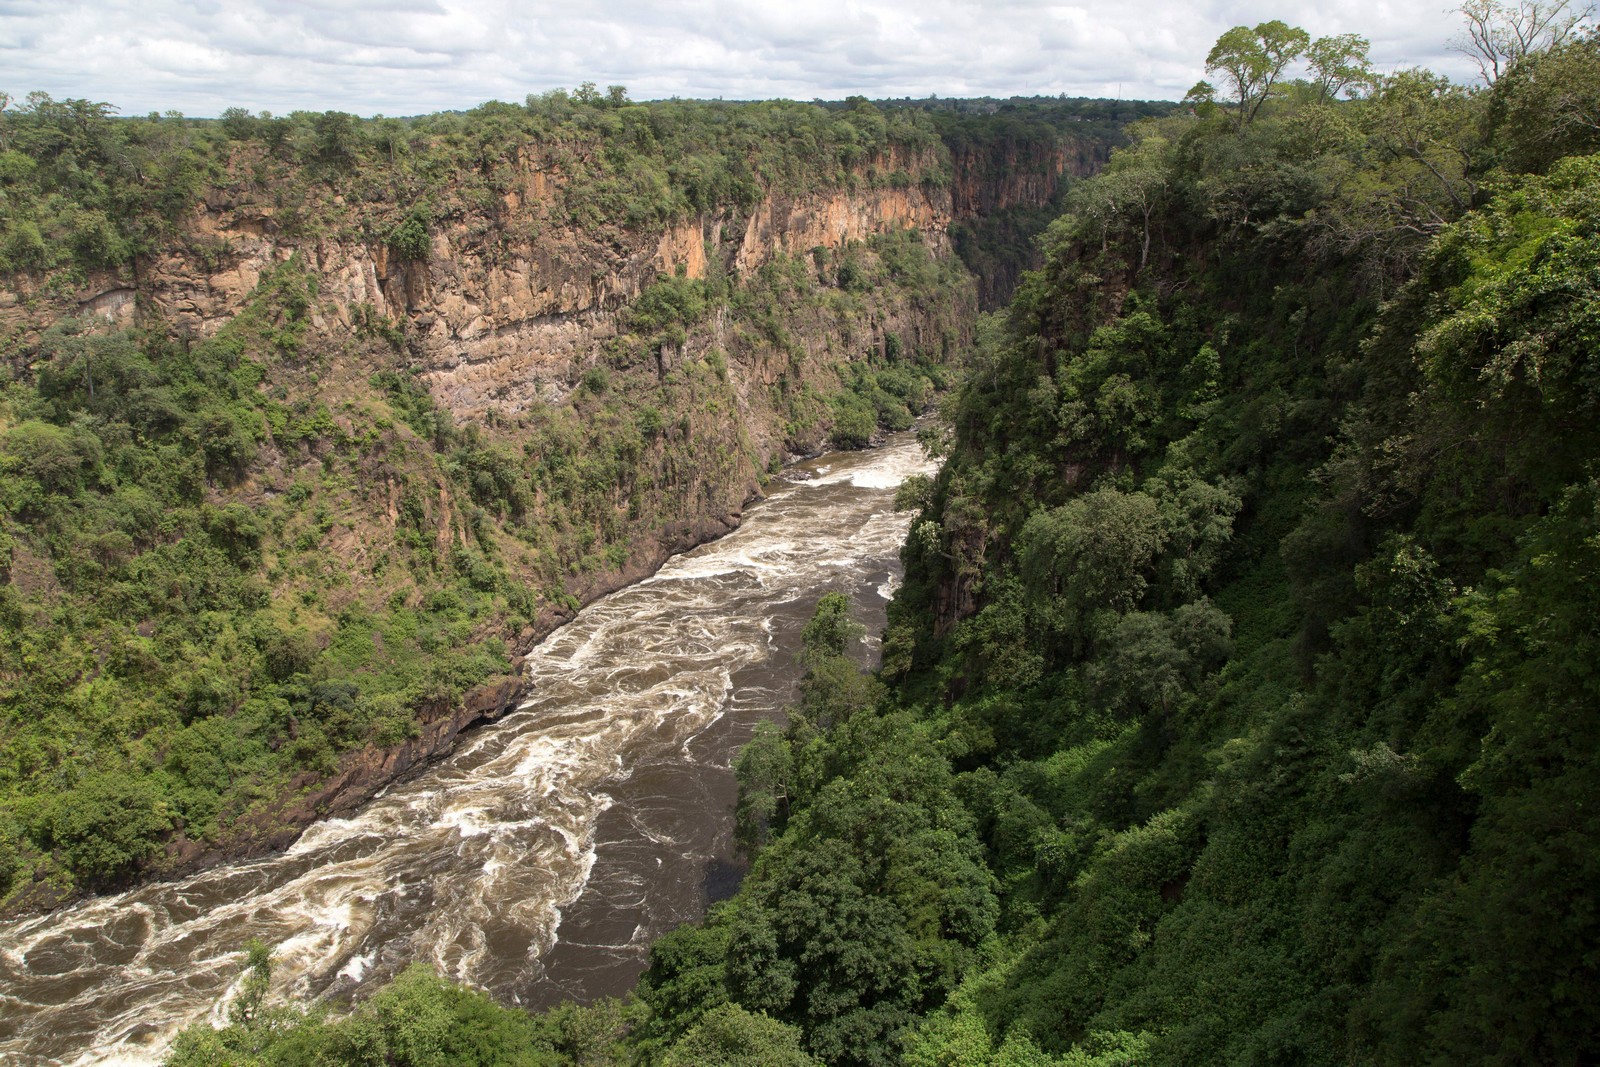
[[357, 966], [876, 479]]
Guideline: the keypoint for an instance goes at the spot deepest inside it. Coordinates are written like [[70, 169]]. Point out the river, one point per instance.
[[544, 855]]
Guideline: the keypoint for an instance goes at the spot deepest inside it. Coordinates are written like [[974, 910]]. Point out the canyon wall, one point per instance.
[[494, 425], [309, 445]]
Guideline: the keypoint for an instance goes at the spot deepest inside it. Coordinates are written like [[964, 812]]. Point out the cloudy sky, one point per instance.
[[405, 57]]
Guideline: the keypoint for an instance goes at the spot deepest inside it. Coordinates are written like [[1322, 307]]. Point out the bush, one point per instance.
[[854, 421], [409, 238]]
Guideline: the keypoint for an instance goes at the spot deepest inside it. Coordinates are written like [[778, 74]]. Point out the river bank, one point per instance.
[[365, 772], [597, 807]]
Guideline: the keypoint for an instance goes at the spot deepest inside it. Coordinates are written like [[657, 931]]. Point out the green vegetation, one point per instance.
[[975, 121], [78, 188], [230, 557], [1005, 154], [1239, 705], [893, 385], [418, 1020], [1235, 583], [210, 590], [81, 189], [179, 641]]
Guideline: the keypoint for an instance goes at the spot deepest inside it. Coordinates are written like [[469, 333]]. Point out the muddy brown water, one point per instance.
[[541, 859]]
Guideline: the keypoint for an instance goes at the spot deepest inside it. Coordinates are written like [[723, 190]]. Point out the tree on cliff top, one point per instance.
[[1499, 34], [1253, 61]]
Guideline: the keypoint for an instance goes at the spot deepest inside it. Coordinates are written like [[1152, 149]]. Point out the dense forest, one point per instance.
[[1239, 705], [1252, 613]]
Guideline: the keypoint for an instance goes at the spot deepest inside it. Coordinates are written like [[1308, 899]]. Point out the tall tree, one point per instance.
[[1498, 34], [1548, 107], [1339, 63], [1134, 188], [1253, 61]]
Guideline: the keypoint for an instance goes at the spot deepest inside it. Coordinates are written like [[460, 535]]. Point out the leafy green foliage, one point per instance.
[[418, 1020], [409, 237], [1544, 108], [1254, 60], [1223, 598], [733, 1037], [229, 561], [81, 188], [152, 684], [870, 903]]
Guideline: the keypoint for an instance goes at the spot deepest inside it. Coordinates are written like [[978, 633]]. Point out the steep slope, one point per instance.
[[1239, 705], [297, 459], [1012, 164], [1235, 605]]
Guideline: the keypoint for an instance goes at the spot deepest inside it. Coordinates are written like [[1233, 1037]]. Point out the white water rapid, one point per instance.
[[542, 857]]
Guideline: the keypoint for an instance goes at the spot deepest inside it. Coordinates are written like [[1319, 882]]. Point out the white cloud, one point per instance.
[[411, 56]]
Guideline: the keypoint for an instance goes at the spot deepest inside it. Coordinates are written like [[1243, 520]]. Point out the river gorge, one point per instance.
[[540, 859]]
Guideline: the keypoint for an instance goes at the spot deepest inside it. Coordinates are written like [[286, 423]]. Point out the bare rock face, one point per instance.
[[1002, 174], [830, 221], [495, 322], [1005, 176]]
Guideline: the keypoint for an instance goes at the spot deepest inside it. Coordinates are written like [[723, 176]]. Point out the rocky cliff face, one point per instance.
[[586, 433], [1008, 172], [1003, 192], [513, 302], [513, 295], [493, 319]]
